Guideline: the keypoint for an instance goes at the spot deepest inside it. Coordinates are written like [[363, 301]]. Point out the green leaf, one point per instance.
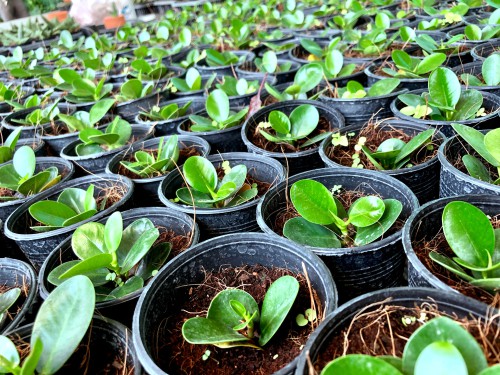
[[312, 47], [131, 89], [443, 329], [269, 62], [468, 105], [97, 277], [430, 62], [200, 174], [85, 266], [280, 122], [357, 364], [193, 79], [450, 265], [304, 120], [476, 169], [74, 198], [88, 240], [444, 87], [402, 59], [492, 370], [24, 161], [9, 178], [382, 21], [8, 352], [468, 232], [366, 211], [414, 144], [51, 213], [154, 260], [383, 87], [131, 285], [208, 331], [492, 142], [113, 232], [476, 139], [8, 298], [491, 70], [62, 321], [313, 201], [99, 110], [218, 105], [139, 249], [122, 128], [277, 303], [366, 235], [34, 184], [473, 32], [334, 62], [490, 284], [305, 233], [308, 77], [440, 358]]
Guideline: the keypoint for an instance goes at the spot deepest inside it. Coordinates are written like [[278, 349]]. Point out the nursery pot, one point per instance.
[[146, 189], [448, 303], [299, 161], [128, 110], [468, 42], [244, 100], [248, 70], [37, 144], [357, 270], [206, 70], [421, 179], [96, 163], [15, 273], [491, 103], [189, 268], [424, 224], [214, 222], [406, 83], [482, 51], [121, 309], [474, 68], [36, 246], [455, 182], [109, 343], [359, 76]]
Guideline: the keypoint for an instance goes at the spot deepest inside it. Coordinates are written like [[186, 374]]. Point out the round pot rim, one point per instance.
[[368, 71], [361, 100], [473, 64], [181, 99]]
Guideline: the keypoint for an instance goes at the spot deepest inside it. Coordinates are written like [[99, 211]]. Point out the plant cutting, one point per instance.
[[412, 67], [82, 120], [440, 346], [83, 89], [118, 261], [9, 146], [133, 89], [324, 222], [220, 115], [61, 323], [207, 191], [489, 73], [40, 116], [234, 319], [19, 176], [148, 165], [191, 82], [237, 87], [306, 79], [168, 112], [472, 238]]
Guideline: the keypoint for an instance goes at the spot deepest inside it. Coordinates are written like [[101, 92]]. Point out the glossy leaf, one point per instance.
[[154, 260], [469, 103], [280, 122], [366, 211], [444, 87], [88, 240], [306, 233], [24, 161], [113, 231], [492, 143], [131, 235], [200, 174], [98, 277], [476, 139], [304, 120], [139, 249], [357, 364], [99, 110], [366, 235], [88, 265], [313, 201], [218, 105], [308, 77], [130, 286], [9, 352], [8, 298], [440, 357], [491, 70], [51, 213], [476, 169], [383, 87], [74, 198]]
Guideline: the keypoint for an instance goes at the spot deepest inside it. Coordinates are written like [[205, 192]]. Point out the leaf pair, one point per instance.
[[20, 174], [413, 67], [234, 310], [191, 82], [144, 71], [84, 90], [82, 120], [333, 65], [306, 79], [167, 112], [215, 58], [72, 206], [324, 222], [133, 89], [95, 141], [148, 165], [40, 116], [355, 90], [236, 87]]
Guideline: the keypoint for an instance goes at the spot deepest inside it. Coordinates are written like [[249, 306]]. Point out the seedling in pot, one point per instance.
[[475, 33], [9, 146], [205, 190], [133, 89], [487, 146], [215, 58], [445, 100], [355, 90], [40, 116], [289, 129], [268, 63], [59, 327], [317, 52], [72, 206], [306, 79], [324, 222], [489, 73], [30, 101], [192, 81], [429, 45], [144, 71], [220, 115], [94, 141], [19, 176], [237, 87], [234, 319], [147, 164], [82, 120], [440, 346], [83, 89], [333, 65], [167, 112], [374, 43], [10, 92], [118, 261], [412, 67], [475, 243]]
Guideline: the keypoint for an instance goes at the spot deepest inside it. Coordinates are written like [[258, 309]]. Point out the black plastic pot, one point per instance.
[[37, 144], [227, 70], [453, 181], [474, 68], [420, 18], [316, 34], [195, 93], [491, 103], [247, 70], [359, 76], [295, 162], [36, 246], [294, 53], [425, 223], [468, 42], [359, 111], [406, 83], [18, 274], [449, 303], [108, 342], [359, 269], [121, 309], [189, 268], [482, 51], [26, 91], [422, 179], [128, 110], [219, 221], [146, 189], [96, 163]]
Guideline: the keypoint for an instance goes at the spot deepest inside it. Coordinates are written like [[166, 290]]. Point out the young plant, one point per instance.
[[168, 112], [475, 243], [215, 58], [144, 71], [487, 146], [236, 87], [333, 65], [118, 261], [445, 100], [8, 299], [324, 222], [316, 51], [72, 206], [40, 116], [30, 101], [133, 89], [83, 89], [148, 165], [440, 346], [374, 43], [429, 45], [192, 81], [9, 146], [413, 67], [82, 120], [489, 73], [220, 115], [60, 325], [268, 63], [474, 32], [19, 176], [233, 318], [289, 129], [207, 191], [95, 141], [306, 79], [355, 90]]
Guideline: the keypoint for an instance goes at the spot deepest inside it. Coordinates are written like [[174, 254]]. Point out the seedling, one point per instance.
[[412, 67], [61, 323], [445, 100], [207, 191], [306, 79], [317, 52], [95, 141], [149, 165], [440, 346], [289, 129], [324, 222], [489, 73], [83, 89], [215, 58], [144, 71], [133, 89], [82, 120], [236, 87], [192, 81], [475, 243], [118, 261], [165, 113], [72, 206], [474, 32], [309, 316], [9, 146], [269, 64], [19, 176], [355, 90], [234, 319], [220, 115], [429, 45], [333, 65], [30, 101], [40, 116]]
